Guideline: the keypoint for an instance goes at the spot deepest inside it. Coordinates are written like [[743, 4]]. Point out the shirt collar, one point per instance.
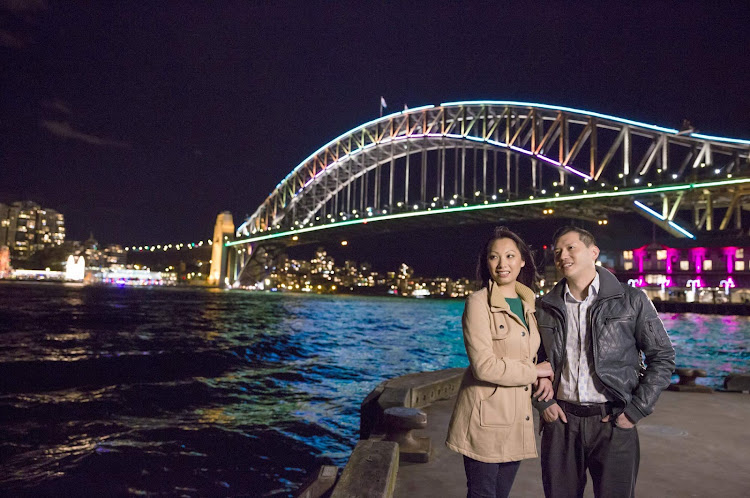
[[593, 291]]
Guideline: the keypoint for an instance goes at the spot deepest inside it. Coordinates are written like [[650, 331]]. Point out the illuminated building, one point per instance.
[[4, 261], [685, 272], [92, 253], [114, 255], [75, 268], [134, 277], [26, 227]]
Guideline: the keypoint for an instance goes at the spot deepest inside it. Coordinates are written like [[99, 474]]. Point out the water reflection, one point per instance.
[[212, 393]]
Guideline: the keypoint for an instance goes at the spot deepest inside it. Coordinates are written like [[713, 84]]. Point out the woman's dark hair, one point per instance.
[[527, 276]]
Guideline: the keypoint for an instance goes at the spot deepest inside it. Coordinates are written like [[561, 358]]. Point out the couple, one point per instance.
[[575, 354]]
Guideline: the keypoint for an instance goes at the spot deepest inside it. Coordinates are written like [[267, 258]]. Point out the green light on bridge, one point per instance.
[[495, 205]]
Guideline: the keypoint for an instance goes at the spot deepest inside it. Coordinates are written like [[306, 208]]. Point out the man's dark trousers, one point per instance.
[[611, 455]]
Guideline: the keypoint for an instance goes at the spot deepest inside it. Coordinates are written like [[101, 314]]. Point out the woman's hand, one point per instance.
[[544, 369], [544, 391]]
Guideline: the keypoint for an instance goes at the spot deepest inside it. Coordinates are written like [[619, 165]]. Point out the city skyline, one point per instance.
[[129, 118]]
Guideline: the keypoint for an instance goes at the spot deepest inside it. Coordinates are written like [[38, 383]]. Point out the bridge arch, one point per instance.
[[482, 153]]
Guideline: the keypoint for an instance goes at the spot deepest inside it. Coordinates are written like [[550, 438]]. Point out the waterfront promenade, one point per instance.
[[694, 444]]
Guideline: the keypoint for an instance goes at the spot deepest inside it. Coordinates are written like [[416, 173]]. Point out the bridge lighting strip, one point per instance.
[[680, 229], [663, 218], [497, 205], [353, 130], [649, 210], [720, 139], [454, 136], [595, 114]]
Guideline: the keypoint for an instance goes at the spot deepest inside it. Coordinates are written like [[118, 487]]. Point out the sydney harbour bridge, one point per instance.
[[499, 161]]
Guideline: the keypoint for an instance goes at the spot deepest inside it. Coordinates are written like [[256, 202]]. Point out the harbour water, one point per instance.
[[189, 392]]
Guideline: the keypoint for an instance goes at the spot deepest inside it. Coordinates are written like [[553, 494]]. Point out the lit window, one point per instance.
[[627, 255], [707, 265], [656, 279], [684, 265], [661, 255], [628, 265], [739, 254], [739, 266]]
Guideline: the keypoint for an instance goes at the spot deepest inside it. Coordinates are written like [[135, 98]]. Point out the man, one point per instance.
[[595, 332]]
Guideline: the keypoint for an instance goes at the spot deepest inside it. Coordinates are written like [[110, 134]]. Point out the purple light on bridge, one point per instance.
[[579, 173]]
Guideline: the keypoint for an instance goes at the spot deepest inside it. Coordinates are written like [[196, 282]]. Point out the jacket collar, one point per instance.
[[609, 286], [497, 302]]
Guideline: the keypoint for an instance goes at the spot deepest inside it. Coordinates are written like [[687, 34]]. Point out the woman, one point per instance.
[[492, 424]]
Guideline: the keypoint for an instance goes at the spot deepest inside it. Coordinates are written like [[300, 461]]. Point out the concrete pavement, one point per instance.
[[693, 445]]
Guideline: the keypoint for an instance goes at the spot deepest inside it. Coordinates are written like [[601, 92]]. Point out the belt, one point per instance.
[[586, 410]]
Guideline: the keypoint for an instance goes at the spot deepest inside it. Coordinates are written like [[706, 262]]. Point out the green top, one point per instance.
[[517, 308]]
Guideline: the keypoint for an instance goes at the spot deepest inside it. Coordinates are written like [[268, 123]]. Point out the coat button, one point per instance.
[[527, 417], [526, 388], [501, 326], [523, 334]]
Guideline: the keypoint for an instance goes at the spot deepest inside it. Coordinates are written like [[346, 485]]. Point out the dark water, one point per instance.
[[110, 391]]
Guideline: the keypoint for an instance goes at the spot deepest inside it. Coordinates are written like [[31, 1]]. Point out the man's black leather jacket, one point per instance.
[[624, 324]]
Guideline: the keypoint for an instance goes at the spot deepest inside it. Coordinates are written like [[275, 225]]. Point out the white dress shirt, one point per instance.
[[578, 382]]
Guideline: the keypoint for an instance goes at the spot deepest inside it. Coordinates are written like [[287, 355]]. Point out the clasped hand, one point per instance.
[[543, 383]]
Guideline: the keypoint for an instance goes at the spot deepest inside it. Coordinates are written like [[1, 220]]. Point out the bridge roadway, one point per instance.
[[694, 444]]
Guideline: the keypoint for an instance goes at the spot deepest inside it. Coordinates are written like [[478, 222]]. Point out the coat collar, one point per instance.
[[497, 302]]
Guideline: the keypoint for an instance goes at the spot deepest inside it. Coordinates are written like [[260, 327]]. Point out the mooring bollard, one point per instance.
[[400, 422], [687, 381]]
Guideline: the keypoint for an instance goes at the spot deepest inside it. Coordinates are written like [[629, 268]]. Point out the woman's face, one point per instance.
[[504, 261]]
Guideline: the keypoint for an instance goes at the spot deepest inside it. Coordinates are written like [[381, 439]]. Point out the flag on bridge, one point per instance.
[[382, 103]]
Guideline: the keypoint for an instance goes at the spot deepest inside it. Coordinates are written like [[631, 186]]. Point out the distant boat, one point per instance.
[[420, 293]]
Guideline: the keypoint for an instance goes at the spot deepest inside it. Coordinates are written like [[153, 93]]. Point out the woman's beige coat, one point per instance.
[[492, 421]]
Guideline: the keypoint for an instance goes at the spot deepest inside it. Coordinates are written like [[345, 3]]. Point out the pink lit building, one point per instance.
[[704, 274]]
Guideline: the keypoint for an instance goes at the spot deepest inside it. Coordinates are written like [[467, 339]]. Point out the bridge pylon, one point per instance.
[[223, 231]]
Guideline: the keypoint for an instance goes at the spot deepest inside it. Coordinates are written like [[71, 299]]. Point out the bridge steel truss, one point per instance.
[[528, 160]]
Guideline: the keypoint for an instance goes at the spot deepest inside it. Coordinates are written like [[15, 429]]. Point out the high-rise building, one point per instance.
[[26, 227]]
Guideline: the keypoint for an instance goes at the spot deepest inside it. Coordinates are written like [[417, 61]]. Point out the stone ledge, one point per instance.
[[737, 382], [411, 391], [371, 471]]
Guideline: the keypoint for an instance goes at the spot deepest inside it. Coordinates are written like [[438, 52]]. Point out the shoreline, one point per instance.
[[724, 309]]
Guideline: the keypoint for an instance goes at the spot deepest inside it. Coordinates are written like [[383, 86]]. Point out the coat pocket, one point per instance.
[[499, 410]]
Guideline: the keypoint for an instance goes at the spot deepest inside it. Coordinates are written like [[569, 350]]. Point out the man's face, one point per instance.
[[573, 258]]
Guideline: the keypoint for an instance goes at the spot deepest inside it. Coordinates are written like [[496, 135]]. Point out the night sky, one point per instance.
[[141, 121]]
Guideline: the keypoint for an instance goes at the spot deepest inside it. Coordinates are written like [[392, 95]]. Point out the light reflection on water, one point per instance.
[[717, 344], [194, 392]]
